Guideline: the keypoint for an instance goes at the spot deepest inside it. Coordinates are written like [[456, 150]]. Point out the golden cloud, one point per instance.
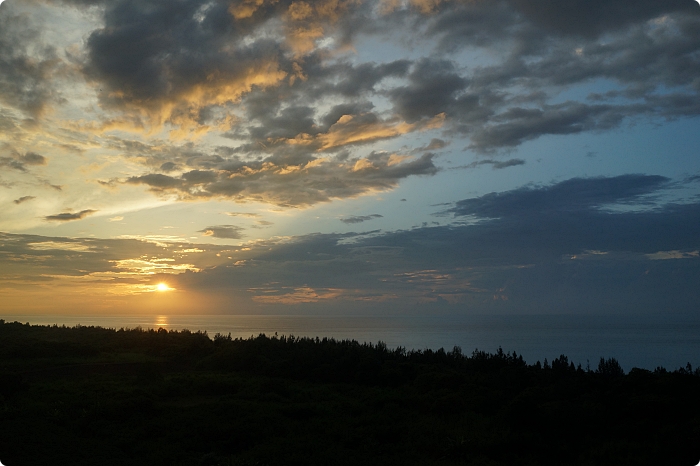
[[298, 296], [361, 129]]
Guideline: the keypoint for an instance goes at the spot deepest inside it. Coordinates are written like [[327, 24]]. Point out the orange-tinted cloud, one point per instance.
[[291, 184], [298, 296]]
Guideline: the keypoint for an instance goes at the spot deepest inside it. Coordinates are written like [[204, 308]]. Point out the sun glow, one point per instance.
[[163, 287]]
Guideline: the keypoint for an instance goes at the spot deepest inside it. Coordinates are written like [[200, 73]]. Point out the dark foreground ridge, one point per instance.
[[95, 396]]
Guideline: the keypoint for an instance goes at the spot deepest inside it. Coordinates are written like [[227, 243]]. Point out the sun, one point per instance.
[[162, 287]]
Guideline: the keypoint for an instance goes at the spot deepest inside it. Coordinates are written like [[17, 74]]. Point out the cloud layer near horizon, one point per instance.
[[566, 247]]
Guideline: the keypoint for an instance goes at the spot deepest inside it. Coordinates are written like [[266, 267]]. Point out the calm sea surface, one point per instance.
[[646, 342]]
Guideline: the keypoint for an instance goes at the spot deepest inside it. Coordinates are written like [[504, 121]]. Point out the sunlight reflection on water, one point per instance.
[[160, 322]]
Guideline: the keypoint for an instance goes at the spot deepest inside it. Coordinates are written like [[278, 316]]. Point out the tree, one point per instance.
[[609, 368]]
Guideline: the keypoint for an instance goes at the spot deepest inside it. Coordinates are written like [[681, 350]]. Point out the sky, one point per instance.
[[349, 157]]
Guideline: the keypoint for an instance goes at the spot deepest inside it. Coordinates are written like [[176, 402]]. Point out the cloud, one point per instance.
[[19, 162], [522, 263], [434, 144], [508, 163], [59, 245], [517, 125], [223, 231], [242, 214], [185, 68], [365, 128], [56, 187], [168, 167], [263, 101], [156, 181], [667, 255], [571, 246], [172, 69], [590, 19], [26, 70], [293, 181], [497, 165], [573, 195], [11, 163], [359, 219], [30, 158], [89, 274], [67, 216], [548, 46], [261, 224], [23, 199], [432, 90], [297, 296], [118, 218], [355, 80]]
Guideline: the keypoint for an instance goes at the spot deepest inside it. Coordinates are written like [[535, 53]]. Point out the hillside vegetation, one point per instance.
[[95, 396]]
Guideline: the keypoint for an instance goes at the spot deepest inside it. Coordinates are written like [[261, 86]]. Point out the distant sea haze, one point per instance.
[[635, 341]]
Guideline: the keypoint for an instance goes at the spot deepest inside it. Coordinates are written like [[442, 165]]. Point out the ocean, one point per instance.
[[635, 341]]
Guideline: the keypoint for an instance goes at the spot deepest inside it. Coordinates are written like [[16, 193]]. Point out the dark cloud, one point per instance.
[[12, 163], [56, 187], [338, 111], [481, 24], [68, 216], [575, 195], [487, 23], [432, 89], [508, 163], [497, 165], [223, 231], [359, 218], [288, 123], [199, 177], [649, 54], [19, 162], [155, 181], [30, 158], [292, 181], [355, 80], [517, 125], [554, 257], [168, 167], [221, 67], [553, 248], [592, 18], [184, 62], [156, 55], [652, 61], [23, 199], [26, 65], [275, 126], [434, 144]]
